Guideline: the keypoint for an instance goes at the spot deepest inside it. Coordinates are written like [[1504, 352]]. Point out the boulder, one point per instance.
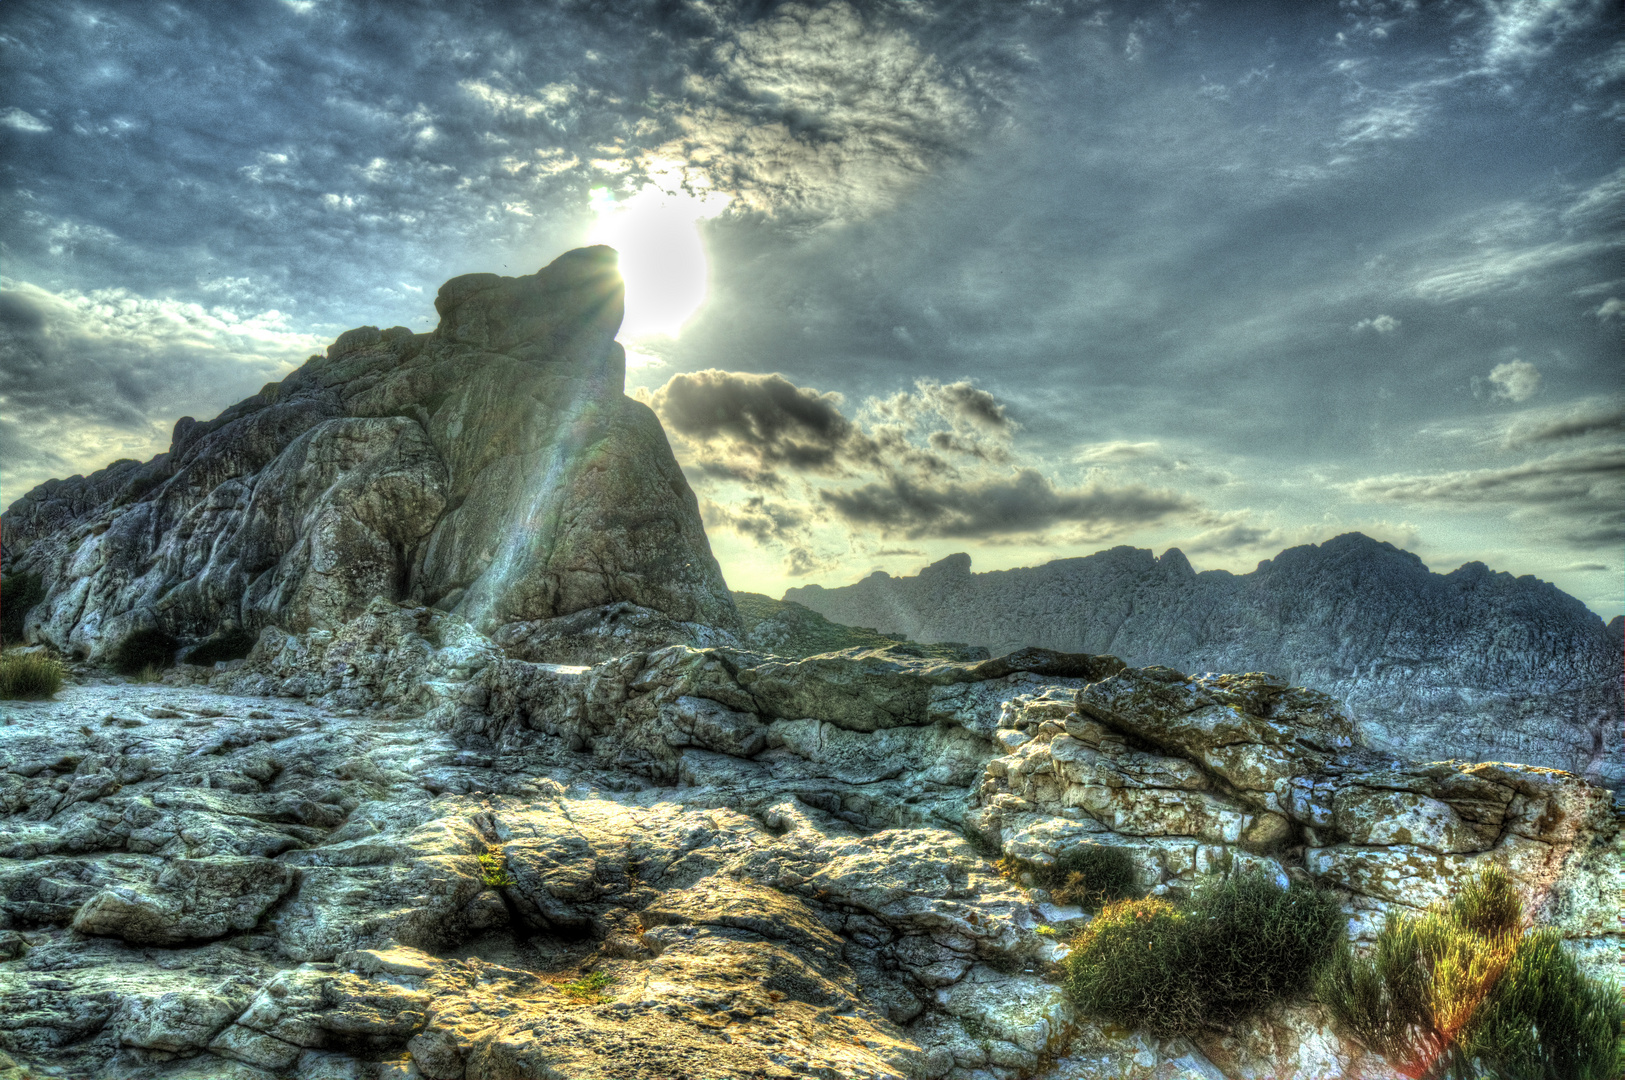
[[191, 900], [493, 468]]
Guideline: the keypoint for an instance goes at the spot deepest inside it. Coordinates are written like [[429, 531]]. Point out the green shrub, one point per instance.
[[29, 676], [1085, 874], [1236, 946], [494, 871], [589, 989], [18, 593], [1461, 991], [142, 649]]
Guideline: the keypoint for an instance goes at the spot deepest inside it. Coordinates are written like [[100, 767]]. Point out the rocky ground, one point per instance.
[[426, 858]]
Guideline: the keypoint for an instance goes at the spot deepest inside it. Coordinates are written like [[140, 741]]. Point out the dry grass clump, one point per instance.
[[1232, 949], [1462, 991], [29, 676], [1086, 874]]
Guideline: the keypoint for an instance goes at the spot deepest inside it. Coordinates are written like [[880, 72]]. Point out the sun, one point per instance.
[[663, 259]]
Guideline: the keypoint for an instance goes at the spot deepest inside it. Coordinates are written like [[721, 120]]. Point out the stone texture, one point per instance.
[[1472, 664], [493, 467], [190, 900], [691, 861]]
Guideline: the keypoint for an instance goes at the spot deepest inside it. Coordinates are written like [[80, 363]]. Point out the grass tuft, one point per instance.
[[587, 990], [494, 871], [1462, 991], [1235, 947], [29, 676], [1089, 875]]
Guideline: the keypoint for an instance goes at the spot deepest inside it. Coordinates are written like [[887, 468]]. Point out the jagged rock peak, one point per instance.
[[493, 467], [1474, 663]]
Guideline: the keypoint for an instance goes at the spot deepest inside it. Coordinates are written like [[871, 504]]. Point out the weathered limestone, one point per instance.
[[493, 467], [693, 861]]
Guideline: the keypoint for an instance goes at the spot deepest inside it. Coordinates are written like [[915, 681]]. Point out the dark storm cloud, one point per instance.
[[747, 428], [1026, 502], [764, 418]]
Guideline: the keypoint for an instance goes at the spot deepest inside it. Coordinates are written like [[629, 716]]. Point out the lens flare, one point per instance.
[[663, 260]]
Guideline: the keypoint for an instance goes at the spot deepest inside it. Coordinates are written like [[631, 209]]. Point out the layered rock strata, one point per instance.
[[416, 855], [1472, 664], [493, 467]]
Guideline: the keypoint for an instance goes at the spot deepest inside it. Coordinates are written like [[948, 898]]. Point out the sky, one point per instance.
[[907, 278]]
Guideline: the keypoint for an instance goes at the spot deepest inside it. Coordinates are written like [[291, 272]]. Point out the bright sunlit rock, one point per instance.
[[663, 260]]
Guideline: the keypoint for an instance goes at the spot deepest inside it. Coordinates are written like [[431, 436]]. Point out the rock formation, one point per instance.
[[493, 467], [507, 788], [1472, 664], [413, 855]]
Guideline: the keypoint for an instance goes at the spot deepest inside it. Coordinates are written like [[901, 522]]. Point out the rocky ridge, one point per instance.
[[411, 854], [1472, 664], [493, 467]]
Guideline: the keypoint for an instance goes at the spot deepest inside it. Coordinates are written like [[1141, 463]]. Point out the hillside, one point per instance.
[[1473, 664]]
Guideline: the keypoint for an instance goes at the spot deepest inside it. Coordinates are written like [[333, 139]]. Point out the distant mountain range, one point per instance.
[[1471, 664]]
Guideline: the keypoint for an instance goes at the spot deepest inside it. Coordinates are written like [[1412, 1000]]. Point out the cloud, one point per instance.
[[85, 375], [749, 424], [935, 461], [799, 562], [759, 519], [1119, 450], [1590, 416], [1612, 308], [1516, 380], [747, 427], [1522, 32], [1382, 324], [1577, 497], [18, 120], [1025, 502], [820, 110]]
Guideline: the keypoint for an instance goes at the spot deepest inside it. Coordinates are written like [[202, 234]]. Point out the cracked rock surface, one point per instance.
[[410, 855]]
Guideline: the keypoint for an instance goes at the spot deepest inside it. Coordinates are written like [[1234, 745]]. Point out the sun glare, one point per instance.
[[663, 262]]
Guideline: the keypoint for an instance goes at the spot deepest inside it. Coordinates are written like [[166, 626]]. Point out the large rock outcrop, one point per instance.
[[493, 467], [411, 854], [1473, 664]]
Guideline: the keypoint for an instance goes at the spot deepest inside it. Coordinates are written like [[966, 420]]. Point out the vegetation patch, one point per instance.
[[1463, 991], [494, 871], [18, 593], [29, 676], [145, 648], [1232, 949], [587, 990], [1089, 875]]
